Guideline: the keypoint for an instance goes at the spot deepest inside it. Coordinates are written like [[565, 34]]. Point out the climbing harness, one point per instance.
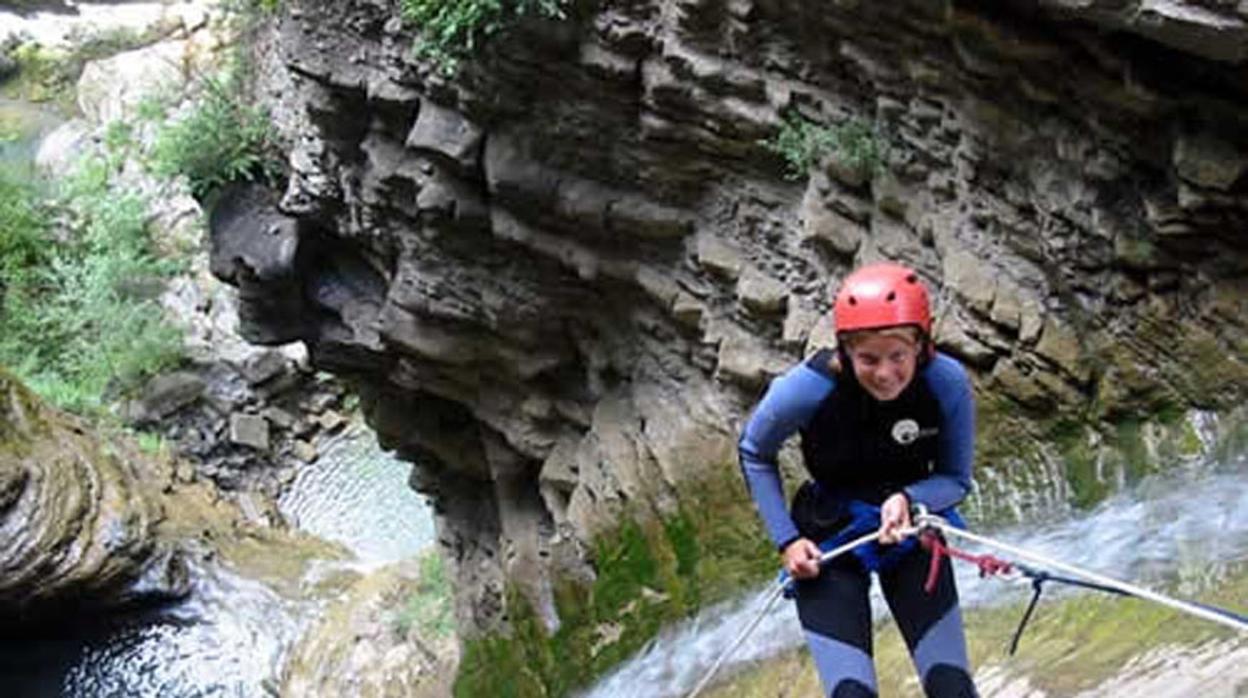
[[930, 527]]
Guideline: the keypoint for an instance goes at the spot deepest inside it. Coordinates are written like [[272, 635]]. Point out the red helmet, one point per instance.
[[882, 295]]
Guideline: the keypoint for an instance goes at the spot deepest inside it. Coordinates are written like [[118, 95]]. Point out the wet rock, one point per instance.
[[77, 517], [719, 257], [623, 258], [253, 248], [448, 133], [371, 643], [331, 421], [279, 417], [837, 233]]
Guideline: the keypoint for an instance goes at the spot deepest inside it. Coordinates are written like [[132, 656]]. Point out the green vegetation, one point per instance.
[[856, 143], [77, 315], [251, 8], [648, 574], [10, 129], [152, 443], [429, 609], [452, 29], [225, 138]]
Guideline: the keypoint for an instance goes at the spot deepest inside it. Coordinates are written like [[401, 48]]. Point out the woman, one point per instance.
[[887, 422]]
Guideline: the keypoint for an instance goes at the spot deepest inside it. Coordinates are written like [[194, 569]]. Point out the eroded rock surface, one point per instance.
[[78, 517], [561, 278]]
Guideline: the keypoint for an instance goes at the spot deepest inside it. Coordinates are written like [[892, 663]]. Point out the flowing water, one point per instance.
[[1176, 531], [229, 637]]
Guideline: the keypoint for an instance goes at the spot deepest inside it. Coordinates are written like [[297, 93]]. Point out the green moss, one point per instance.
[[650, 571], [1087, 485], [682, 536]]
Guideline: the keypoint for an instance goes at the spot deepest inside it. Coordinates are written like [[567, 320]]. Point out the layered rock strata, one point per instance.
[[78, 518], [560, 278]]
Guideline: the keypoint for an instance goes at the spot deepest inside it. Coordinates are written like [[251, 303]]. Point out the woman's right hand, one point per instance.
[[801, 559]]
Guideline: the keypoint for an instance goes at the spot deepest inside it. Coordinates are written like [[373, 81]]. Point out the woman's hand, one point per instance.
[[894, 518], [801, 559]]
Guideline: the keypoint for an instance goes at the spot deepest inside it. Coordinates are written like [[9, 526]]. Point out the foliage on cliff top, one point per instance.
[[452, 29]]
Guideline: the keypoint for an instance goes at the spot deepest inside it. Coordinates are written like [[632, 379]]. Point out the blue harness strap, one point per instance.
[[865, 518]]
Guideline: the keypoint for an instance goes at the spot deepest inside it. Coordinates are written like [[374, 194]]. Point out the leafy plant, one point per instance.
[[23, 222], [223, 139], [803, 143], [452, 29], [78, 320]]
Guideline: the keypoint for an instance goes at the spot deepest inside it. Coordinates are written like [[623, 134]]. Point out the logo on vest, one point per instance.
[[907, 431]]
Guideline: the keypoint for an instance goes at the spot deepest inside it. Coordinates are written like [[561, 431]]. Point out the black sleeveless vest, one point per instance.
[[869, 449]]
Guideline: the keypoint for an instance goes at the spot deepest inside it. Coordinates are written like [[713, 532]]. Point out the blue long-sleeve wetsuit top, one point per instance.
[[852, 443]]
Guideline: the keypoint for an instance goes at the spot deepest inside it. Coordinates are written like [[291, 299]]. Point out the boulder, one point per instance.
[[111, 89]]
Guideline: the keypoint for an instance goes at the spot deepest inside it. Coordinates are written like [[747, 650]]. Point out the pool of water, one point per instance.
[[356, 494], [22, 126], [231, 636]]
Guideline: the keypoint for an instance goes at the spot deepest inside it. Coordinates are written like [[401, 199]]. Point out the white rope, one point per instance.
[[1184, 606], [772, 597]]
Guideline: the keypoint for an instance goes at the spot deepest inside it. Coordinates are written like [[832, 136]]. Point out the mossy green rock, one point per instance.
[[76, 515], [361, 648], [649, 572]]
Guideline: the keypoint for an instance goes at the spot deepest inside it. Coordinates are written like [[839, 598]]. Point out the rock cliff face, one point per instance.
[[560, 278], [77, 518]]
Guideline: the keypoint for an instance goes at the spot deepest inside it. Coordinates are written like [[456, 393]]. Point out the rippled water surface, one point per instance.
[[357, 495]]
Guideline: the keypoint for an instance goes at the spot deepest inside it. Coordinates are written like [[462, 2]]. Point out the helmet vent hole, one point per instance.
[[912, 279], [853, 300], [892, 296]]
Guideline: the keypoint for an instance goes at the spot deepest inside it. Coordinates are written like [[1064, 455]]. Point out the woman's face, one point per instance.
[[884, 364]]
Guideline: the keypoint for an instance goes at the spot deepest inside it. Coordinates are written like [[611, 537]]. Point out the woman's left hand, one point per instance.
[[894, 518]]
